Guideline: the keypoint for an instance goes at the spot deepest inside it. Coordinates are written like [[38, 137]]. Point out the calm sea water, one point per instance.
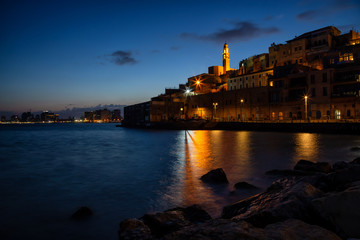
[[47, 171]]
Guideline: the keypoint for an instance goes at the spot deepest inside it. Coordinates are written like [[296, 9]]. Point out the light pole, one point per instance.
[[306, 115], [215, 105], [241, 108]]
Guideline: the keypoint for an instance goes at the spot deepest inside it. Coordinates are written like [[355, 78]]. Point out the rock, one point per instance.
[[218, 229], [215, 176], [82, 213], [165, 222], [355, 149], [133, 229], [307, 166], [339, 180], [245, 185], [194, 214], [285, 199], [356, 161], [341, 210], [340, 165], [293, 229]]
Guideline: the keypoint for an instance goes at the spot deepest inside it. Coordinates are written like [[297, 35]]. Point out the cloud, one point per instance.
[[122, 58], [331, 8], [241, 31], [308, 15]]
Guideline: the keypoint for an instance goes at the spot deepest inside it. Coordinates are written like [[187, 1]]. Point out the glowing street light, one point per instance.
[[215, 105], [241, 108], [306, 98]]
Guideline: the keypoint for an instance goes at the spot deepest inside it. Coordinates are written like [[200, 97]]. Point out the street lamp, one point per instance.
[[241, 108], [306, 98], [215, 105]]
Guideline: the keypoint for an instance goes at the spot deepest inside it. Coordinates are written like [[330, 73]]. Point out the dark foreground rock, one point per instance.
[[82, 213], [215, 176], [341, 210], [313, 206], [171, 220], [132, 229], [283, 200], [291, 229], [356, 161]]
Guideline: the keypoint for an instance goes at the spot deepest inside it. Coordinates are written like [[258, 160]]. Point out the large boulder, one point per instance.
[[293, 229], [339, 180], [133, 229], [341, 210], [215, 176], [218, 229], [284, 199], [356, 161], [165, 222], [194, 214], [307, 166]]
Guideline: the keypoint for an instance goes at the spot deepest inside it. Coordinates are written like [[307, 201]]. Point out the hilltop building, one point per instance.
[[315, 76]]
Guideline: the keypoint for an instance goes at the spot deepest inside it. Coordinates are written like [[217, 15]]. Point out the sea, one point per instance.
[[48, 171]]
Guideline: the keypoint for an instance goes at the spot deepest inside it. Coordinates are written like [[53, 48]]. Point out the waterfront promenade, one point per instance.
[[331, 127]]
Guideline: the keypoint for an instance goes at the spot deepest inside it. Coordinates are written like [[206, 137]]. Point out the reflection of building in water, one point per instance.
[[307, 146]]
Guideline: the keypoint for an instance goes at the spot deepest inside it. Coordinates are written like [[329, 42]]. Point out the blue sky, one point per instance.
[[64, 54]]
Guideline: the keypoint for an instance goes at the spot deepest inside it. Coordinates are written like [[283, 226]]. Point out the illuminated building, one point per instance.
[[315, 76]]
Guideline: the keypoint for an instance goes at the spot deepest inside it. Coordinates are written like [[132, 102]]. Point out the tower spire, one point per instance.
[[226, 58]]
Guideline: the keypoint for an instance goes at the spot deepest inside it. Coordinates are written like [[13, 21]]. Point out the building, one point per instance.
[[313, 77]]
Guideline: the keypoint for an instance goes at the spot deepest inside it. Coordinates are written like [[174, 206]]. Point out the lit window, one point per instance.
[[271, 83]]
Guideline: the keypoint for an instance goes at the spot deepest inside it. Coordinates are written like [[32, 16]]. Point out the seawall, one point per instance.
[[330, 128]]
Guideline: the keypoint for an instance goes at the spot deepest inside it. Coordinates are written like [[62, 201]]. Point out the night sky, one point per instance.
[[64, 54]]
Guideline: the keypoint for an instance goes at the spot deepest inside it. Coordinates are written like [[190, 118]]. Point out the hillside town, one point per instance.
[[312, 77]]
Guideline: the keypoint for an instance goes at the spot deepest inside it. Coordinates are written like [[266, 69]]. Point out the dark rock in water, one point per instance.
[[215, 176], [286, 199], [245, 185], [82, 213], [194, 214], [165, 222], [356, 161], [133, 229], [341, 210], [294, 229], [307, 166], [354, 149]]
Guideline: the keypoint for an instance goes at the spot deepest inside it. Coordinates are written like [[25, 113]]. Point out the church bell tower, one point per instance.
[[226, 58]]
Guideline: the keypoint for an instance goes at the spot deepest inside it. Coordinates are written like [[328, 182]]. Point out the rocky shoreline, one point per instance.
[[312, 201]]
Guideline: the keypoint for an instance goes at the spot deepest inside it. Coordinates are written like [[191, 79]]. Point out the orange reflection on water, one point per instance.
[[199, 159], [243, 153], [307, 146]]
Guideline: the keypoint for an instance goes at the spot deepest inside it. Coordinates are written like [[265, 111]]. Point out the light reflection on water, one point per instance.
[[47, 171], [306, 146]]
